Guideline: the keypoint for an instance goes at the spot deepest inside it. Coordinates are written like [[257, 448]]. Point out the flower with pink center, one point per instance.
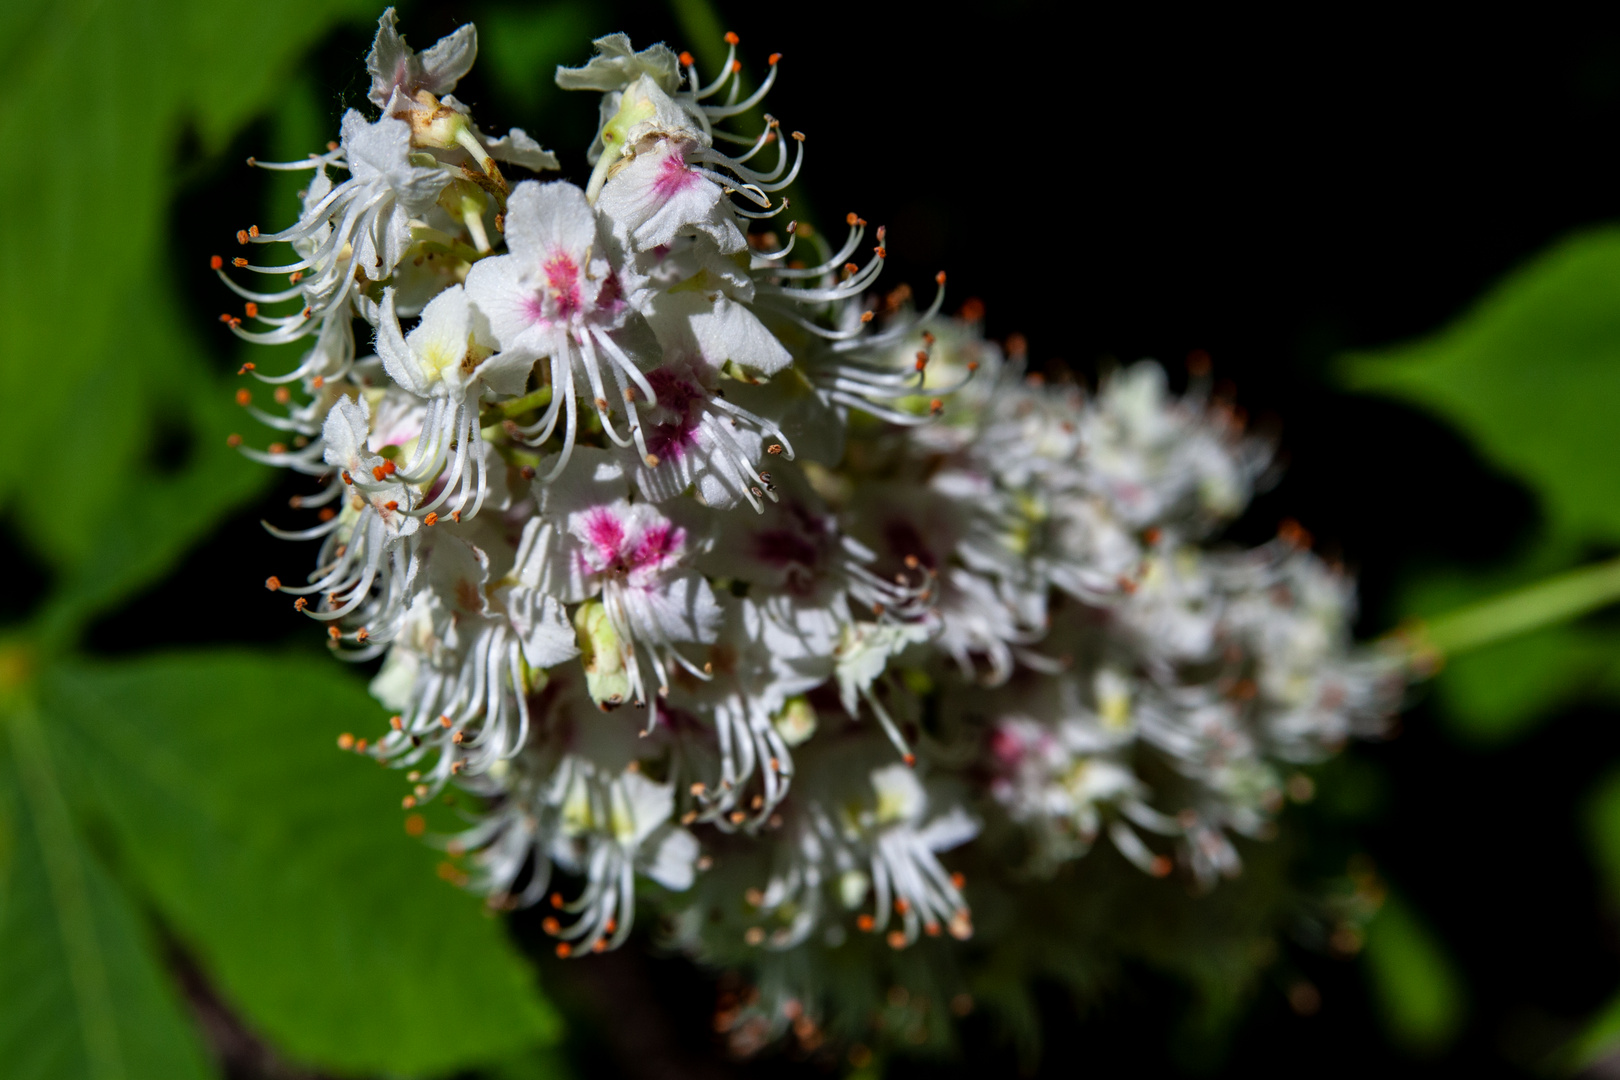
[[557, 296], [591, 541]]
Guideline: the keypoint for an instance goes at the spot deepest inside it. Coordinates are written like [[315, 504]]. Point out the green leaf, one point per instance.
[[1532, 376], [281, 863], [95, 357], [1418, 992], [1602, 1036], [84, 994]]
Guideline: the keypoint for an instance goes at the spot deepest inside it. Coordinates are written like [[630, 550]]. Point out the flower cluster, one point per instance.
[[721, 582]]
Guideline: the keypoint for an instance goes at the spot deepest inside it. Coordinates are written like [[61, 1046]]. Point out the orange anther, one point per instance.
[[550, 925], [215, 262], [239, 262], [867, 316], [253, 231], [850, 268], [865, 923], [327, 513], [610, 926], [334, 633], [736, 66], [931, 928], [774, 449], [910, 759], [389, 468], [282, 395], [408, 801], [731, 38], [378, 472], [233, 441], [936, 406], [272, 583], [396, 722], [252, 309], [347, 479], [973, 365], [300, 604], [456, 514], [362, 635], [318, 381], [901, 905], [686, 59], [939, 278], [431, 519], [896, 939], [556, 899], [851, 218], [295, 277], [564, 950], [922, 360], [1160, 866], [391, 505], [243, 396], [415, 825], [882, 252], [241, 236], [245, 368], [331, 145], [345, 741], [774, 57], [360, 746], [444, 721]]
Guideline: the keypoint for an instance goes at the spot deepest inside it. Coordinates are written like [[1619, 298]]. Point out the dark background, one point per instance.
[[1271, 191]]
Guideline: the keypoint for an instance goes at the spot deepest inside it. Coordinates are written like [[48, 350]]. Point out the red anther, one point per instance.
[[252, 309], [901, 905], [300, 604], [377, 473], [550, 925], [397, 723], [911, 760], [444, 721], [245, 368], [922, 360], [931, 928], [334, 633], [939, 278], [1151, 536], [345, 741], [732, 39], [235, 322], [295, 277], [867, 316], [736, 66], [936, 406], [610, 926], [882, 252], [233, 440], [972, 309], [327, 513], [347, 479], [277, 448], [1160, 866], [389, 468], [928, 337], [431, 519], [959, 880], [239, 261], [851, 268], [851, 218], [773, 58], [215, 262], [686, 59], [253, 231], [865, 923], [556, 899], [1293, 533], [391, 505], [225, 317], [244, 396], [318, 381], [241, 236], [564, 950]]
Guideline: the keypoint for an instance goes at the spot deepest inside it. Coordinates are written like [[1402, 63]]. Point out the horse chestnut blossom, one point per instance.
[[726, 588]]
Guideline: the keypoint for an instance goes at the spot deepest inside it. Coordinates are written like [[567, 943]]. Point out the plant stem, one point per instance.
[[1554, 600]]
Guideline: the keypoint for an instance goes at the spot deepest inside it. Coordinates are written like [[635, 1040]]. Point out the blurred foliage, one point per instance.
[[190, 808], [1531, 377]]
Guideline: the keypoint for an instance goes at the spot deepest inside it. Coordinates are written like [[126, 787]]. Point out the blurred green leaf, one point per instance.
[[520, 48], [1417, 990], [281, 863], [1602, 1036], [84, 994], [95, 357], [1532, 376]]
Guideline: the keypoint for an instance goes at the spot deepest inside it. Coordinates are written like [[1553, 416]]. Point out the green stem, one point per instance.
[[1554, 600]]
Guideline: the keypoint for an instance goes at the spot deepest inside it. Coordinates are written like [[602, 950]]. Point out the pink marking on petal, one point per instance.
[[562, 276], [606, 534], [1006, 746], [673, 178], [658, 545]]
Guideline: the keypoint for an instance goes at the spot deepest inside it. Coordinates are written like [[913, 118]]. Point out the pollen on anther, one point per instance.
[[773, 58], [215, 262], [652, 461], [252, 309], [922, 360], [239, 262], [345, 741], [391, 505], [300, 604], [396, 722], [233, 441], [253, 231], [334, 633], [431, 519], [241, 236], [736, 66], [272, 583], [444, 721], [686, 59], [731, 38], [244, 396], [939, 278]]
